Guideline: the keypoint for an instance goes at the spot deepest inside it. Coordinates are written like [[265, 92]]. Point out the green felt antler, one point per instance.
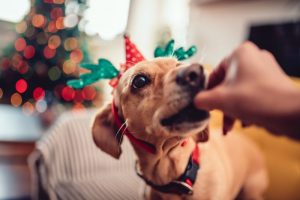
[[179, 53], [103, 70]]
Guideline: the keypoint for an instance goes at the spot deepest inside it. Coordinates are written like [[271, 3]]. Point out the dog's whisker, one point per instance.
[[121, 127]]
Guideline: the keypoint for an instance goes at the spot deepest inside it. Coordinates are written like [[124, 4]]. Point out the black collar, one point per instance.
[[184, 184]]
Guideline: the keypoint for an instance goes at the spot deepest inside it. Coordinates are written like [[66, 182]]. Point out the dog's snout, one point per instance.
[[191, 76]]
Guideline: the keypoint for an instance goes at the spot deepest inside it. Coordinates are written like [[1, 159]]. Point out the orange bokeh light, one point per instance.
[[16, 99], [38, 20], [59, 23], [76, 55], [54, 41], [20, 44], [28, 108]]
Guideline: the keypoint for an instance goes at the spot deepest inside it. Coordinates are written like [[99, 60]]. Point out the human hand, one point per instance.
[[251, 86]]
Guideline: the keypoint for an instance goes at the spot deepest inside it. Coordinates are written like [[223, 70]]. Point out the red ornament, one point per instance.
[[29, 52], [68, 93], [133, 55], [21, 86], [38, 93]]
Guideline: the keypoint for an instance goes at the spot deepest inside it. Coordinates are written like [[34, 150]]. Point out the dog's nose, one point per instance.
[[191, 76]]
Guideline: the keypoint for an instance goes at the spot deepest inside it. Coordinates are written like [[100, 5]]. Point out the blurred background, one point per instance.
[[42, 43]]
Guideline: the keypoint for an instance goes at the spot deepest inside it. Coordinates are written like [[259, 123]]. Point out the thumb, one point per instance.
[[210, 99]]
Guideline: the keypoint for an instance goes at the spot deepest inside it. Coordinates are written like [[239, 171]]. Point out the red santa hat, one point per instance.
[[133, 55]]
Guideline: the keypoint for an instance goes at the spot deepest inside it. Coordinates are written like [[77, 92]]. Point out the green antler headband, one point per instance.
[[106, 70]]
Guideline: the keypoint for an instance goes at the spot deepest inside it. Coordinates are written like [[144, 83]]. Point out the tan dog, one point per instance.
[[154, 99]]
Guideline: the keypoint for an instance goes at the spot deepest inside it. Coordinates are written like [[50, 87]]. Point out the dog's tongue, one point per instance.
[[216, 78]]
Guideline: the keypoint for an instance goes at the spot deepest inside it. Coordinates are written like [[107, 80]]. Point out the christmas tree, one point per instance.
[[35, 69]]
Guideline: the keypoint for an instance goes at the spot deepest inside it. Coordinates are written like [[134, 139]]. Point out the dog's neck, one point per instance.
[[169, 161]]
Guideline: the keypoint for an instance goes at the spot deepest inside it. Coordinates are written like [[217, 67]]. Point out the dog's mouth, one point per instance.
[[188, 115]]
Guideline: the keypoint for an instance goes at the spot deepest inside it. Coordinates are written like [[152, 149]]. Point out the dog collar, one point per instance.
[[184, 184], [140, 143]]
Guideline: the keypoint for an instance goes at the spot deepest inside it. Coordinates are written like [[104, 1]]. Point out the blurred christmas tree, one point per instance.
[[47, 52]]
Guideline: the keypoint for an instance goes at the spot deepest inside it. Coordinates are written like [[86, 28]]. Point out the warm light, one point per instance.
[[21, 27], [20, 44], [89, 93], [70, 44], [76, 56], [69, 67], [29, 52], [68, 93], [21, 86], [54, 41], [54, 73], [38, 20], [71, 20], [59, 23], [16, 100], [38, 93], [49, 53], [28, 108], [1, 93], [41, 106], [52, 27]]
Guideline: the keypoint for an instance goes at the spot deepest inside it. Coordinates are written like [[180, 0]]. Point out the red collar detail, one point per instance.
[[140, 143]]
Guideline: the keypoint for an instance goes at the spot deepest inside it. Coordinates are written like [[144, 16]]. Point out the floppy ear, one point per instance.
[[104, 133]]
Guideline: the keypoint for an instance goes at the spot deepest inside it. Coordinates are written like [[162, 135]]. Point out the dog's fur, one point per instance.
[[230, 165]]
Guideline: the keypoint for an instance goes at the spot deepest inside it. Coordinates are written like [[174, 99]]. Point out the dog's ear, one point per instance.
[[104, 133]]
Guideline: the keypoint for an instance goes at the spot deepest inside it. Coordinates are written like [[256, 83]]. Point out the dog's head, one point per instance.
[[155, 99]]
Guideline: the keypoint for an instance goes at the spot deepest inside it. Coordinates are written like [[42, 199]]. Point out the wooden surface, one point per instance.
[[14, 171]]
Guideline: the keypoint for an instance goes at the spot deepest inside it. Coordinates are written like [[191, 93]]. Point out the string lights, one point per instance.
[[45, 55]]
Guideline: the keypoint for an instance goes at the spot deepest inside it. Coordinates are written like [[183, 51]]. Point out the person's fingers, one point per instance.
[[210, 99], [218, 75]]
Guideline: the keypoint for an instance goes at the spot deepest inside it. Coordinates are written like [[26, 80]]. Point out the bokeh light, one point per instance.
[[21, 86], [88, 93], [68, 93], [38, 20], [28, 108], [16, 99], [52, 27], [21, 27], [20, 44], [29, 52], [54, 73], [38, 93], [70, 44], [76, 55], [41, 106], [49, 53], [59, 23], [54, 41], [71, 20], [69, 67]]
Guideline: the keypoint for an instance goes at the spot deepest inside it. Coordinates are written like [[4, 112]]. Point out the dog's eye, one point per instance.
[[140, 81]]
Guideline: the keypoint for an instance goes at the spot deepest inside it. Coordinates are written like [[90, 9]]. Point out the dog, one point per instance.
[[177, 156]]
